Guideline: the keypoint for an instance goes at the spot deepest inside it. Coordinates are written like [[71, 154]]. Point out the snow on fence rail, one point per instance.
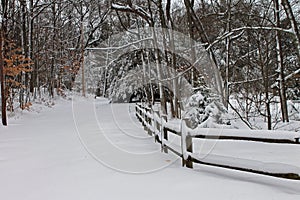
[[158, 127]]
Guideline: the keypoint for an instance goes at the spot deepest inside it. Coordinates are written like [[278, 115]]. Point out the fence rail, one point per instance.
[[158, 127]]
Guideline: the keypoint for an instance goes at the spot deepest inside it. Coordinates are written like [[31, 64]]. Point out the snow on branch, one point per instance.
[[291, 75], [242, 29], [132, 9], [249, 81], [120, 47]]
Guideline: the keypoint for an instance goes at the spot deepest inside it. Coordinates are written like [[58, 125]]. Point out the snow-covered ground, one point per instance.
[[89, 149]]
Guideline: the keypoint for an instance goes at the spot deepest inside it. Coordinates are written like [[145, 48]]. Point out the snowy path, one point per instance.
[[78, 152]]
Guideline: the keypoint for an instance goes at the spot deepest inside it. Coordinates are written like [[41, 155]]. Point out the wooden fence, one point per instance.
[[158, 127]]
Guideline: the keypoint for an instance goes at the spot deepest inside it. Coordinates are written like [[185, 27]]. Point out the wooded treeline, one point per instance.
[[253, 44]]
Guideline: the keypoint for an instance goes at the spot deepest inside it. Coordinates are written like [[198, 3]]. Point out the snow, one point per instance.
[[248, 164], [259, 156], [263, 134], [90, 149], [120, 7], [274, 158], [174, 124]]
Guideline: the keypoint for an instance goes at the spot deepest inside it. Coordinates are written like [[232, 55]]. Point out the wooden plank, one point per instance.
[[165, 137], [172, 131], [292, 176], [189, 148], [266, 140], [174, 151]]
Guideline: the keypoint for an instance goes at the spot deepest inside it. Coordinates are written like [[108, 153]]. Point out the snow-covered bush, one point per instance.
[[205, 114], [294, 110], [195, 110]]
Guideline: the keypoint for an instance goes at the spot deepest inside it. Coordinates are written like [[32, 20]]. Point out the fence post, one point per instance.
[[189, 148], [153, 123], [150, 123], [146, 119], [143, 116], [186, 144], [165, 136], [156, 126], [137, 110], [164, 133]]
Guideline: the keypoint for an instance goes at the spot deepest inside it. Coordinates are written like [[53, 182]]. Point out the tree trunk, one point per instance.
[[82, 57], [290, 15], [228, 46], [23, 76], [30, 48], [166, 70], [282, 89], [218, 82], [158, 67], [3, 33], [2, 77], [51, 76], [192, 42]]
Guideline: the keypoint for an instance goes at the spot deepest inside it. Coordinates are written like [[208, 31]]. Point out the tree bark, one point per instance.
[[282, 87], [82, 57], [290, 15], [3, 30], [176, 97], [158, 66], [33, 77], [2, 77], [228, 46]]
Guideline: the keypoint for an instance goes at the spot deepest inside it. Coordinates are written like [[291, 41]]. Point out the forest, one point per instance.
[[237, 57]]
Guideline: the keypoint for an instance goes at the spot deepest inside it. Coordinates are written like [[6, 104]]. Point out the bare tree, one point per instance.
[[282, 89], [291, 17], [4, 7]]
